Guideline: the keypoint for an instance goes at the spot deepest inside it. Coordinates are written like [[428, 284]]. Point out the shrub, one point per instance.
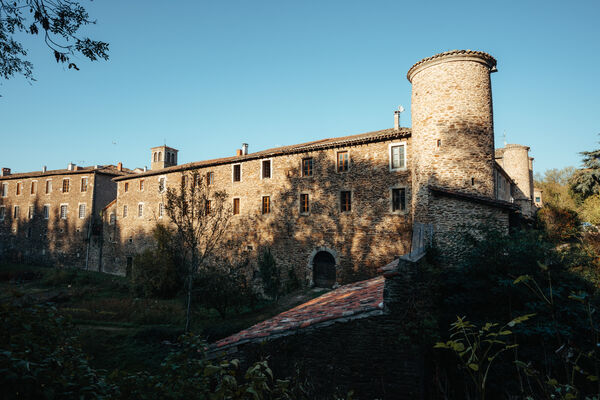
[[269, 274], [560, 224], [223, 288], [157, 272]]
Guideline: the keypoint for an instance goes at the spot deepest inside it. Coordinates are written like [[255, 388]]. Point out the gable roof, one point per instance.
[[102, 169], [369, 137], [348, 302]]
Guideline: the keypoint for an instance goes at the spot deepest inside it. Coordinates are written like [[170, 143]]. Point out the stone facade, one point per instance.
[[364, 192], [52, 217]]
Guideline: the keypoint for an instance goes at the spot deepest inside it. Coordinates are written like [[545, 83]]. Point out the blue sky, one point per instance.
[[207, 76]]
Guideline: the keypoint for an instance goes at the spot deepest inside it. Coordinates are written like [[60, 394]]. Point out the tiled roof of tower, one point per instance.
[[352, 301], [453, 53], [103, 169], [277, 151]]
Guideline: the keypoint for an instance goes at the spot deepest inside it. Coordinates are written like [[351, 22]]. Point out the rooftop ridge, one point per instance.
[[456, 54]]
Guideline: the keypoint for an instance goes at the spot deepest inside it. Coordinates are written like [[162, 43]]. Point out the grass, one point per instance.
[[118, 330]]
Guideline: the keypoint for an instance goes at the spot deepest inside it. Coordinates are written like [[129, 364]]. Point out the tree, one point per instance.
[[586, 181], [58, 21], [201, 218], [555, 184]]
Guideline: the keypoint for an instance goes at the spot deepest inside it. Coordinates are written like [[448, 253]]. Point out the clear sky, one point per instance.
[[207, 76]]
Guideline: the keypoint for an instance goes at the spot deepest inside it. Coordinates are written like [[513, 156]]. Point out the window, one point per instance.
[[46, 211], [161, 210], [266, 169], [140, 210], [82, 211], [84, 182], [2, 213], [342, 161], [4, 189], [397, 156], [19, 188], [48, 187], [184, 181], [155, 157], [472, 181], [141, 185], [237, 172], [126, 187], [31, 212], [33, 187], [63, 211], [124, 211], [538, 199], [210, 178], [161, 184], [304, 204], [439, 143], [16, 212], [307, 166], [65, 186], [345, 201], [112, 218], [398, 199], [207, 207], [266, 204], [236, 206]]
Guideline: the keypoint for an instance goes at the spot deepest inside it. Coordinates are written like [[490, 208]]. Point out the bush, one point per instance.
[[157, 272], [560, 224], [223, 288], [269, 274]]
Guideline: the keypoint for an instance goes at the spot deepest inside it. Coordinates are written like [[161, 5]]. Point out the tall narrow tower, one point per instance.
[[162, 157], [452, 126]]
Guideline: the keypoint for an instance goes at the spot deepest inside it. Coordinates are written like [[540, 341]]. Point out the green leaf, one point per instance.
[[474, 367], [522, 278], [506, 332], [592, 378], [520, 319]]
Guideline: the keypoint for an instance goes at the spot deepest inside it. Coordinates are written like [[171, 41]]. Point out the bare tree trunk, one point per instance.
[[191, 273]]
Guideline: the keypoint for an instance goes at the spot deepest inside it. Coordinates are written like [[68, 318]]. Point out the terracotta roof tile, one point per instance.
[[348, 301], [103, 169]]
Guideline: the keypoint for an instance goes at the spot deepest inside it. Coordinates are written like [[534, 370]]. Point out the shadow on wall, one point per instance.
[[31, 236]]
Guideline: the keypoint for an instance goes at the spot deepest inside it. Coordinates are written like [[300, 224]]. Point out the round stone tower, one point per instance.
[[516, 162], [452, 126]]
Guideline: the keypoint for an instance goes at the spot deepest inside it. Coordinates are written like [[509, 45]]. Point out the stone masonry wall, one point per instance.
[[53, 240], [453, 130], [361, 240]]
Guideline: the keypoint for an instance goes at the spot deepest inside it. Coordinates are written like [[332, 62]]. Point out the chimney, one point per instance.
[[245, 149], [145, 168], [120, 166], [76, 168], [5, 171], [397, 120], [44, 169], [71, 166], [238, 152]]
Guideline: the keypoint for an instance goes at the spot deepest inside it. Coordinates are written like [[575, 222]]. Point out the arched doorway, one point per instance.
[[323, 269]]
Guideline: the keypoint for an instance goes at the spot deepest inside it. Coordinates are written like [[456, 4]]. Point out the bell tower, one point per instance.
[[162, 157]]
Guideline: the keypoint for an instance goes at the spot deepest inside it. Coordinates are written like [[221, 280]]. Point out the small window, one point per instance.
[[397, 156], [184, 181], [207, 207], [399, 199], [82, 211], [161, 185], [307, 166], [4, 189], [345, 201], [63, 211], [210, 178], [84, 184], [112, 219], [155, 157], [538, 199], [304, 203], [31, 212], [266, 204], [46, 211], [237, 172], [141, 185], [266, 169], [2, 213], [16, 212], [19, 188], [48, 187], [472, 181], [343, 161], [33, 187], [124, 211], [65, 187], [161, 210], [140, 210], [126, 187], [236, 206]]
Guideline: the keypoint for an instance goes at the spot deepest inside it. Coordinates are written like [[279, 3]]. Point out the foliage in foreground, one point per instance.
[[40, 358]]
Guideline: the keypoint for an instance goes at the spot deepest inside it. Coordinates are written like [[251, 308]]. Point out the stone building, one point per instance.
[[333, 210], [53, 216]]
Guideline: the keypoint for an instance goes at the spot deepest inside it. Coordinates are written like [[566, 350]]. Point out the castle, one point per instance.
[[330, 210]]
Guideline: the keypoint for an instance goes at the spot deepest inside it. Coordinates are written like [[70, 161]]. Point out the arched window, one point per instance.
[[160, 156], [155, 157]]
